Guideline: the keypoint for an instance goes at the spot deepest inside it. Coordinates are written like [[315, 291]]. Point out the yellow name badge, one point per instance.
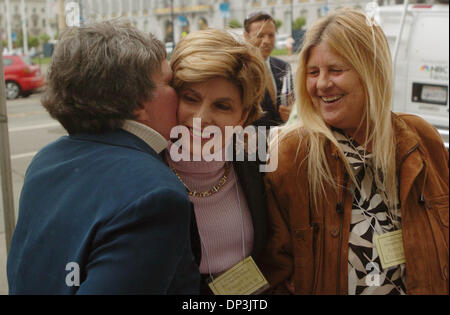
[[243, 279], [390, 249]]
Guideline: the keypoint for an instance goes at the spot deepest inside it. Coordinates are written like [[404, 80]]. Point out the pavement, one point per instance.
[[3, 281]]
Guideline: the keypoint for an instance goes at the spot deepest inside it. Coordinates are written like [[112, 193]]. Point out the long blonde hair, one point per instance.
[[364, 46]]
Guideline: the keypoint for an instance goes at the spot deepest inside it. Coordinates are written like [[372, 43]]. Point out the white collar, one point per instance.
[[150, 136]]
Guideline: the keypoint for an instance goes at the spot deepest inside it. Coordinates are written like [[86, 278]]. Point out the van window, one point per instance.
[[28, 60]]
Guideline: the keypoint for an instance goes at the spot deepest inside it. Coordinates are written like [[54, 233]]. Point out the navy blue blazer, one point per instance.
[[110, 205]]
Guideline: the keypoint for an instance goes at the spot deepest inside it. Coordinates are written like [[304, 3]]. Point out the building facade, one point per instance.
[[156, 15], [190, 15], [39, 14]]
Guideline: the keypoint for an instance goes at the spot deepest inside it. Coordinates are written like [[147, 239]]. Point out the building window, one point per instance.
[[256, 3], [202, 24]]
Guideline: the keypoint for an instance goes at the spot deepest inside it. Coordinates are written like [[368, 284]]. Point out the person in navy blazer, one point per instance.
[[260, 31], [100, 212]]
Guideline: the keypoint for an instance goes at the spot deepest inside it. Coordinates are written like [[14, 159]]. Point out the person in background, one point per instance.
[[220, 79], [100, 212], [290, 45], [359, 202], [260, 31]]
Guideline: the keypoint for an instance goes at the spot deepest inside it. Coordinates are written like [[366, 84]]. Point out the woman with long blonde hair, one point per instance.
[[359, 202]]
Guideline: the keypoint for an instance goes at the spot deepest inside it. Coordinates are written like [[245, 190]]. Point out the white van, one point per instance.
[[421, 69]]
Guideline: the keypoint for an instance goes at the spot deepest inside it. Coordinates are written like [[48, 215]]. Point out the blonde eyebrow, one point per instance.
[[224, 99]]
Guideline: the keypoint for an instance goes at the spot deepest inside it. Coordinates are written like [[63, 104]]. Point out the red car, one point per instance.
[[22, 77]]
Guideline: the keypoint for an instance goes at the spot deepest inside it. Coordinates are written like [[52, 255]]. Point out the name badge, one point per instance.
[[390, 249], [242, 279]]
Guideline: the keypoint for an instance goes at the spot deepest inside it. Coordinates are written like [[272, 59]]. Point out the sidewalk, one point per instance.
[[3, 280]]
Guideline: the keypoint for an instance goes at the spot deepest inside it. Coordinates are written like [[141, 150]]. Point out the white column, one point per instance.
[[140, 16], [101, 10], [23, 15], [108, 11], [8, 25], [119, 13], [48, 11]]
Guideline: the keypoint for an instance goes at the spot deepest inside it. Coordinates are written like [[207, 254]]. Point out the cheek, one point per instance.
[[170, 101], [311, 87], [257, 42], [182, 112]]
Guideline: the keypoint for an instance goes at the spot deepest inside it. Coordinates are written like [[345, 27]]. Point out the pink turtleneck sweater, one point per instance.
[[220, 218]]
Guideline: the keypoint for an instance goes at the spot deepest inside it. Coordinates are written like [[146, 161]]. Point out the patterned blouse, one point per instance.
[[370, 217]]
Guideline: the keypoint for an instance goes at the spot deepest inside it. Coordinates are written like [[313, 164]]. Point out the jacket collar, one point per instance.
[[409, 161], [406, 139], [120, 138]]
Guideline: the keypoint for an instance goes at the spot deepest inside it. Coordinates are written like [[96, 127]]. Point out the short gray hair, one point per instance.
[[100, 74]]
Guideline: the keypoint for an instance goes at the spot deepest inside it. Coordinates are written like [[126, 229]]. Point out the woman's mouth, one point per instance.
[[197, 134], [331, 99]]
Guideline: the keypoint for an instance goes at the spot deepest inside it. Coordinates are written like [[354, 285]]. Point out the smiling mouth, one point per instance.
[[331, 99], [198, 134]]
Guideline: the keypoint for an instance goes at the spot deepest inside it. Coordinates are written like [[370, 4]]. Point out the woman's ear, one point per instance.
[[246, 36]]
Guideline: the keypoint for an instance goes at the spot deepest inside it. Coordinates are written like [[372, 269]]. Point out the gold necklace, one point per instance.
[[213, 190]]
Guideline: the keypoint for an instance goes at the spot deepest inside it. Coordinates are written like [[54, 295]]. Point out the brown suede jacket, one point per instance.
[[310, 247]]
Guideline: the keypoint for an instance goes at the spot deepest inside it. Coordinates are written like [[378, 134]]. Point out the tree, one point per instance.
[[44, 38], [299, 23], [33, 41], [278, 24], [234, 24]]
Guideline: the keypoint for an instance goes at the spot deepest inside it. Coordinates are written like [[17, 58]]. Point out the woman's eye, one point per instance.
[[222, 106], [313, 72], [336, 70], [189, 98]]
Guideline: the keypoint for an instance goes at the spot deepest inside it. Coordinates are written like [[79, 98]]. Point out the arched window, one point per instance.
[[202, 23]]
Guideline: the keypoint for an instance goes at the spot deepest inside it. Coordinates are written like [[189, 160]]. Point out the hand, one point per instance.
[[290, 286], [285, 112]]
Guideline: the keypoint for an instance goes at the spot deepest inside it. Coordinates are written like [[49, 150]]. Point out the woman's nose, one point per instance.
[[204, 114], [324, 82]]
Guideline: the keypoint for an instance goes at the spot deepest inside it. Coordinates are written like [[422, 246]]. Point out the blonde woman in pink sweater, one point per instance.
[[220, 81]]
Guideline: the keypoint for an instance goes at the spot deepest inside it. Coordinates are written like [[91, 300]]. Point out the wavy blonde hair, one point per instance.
[[363, 45], [212, 53]]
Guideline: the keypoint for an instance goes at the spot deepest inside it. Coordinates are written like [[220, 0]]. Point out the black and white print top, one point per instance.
[[370, 217]]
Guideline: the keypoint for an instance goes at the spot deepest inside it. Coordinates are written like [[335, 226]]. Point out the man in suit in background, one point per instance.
[[100, 213], [260, 30]]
